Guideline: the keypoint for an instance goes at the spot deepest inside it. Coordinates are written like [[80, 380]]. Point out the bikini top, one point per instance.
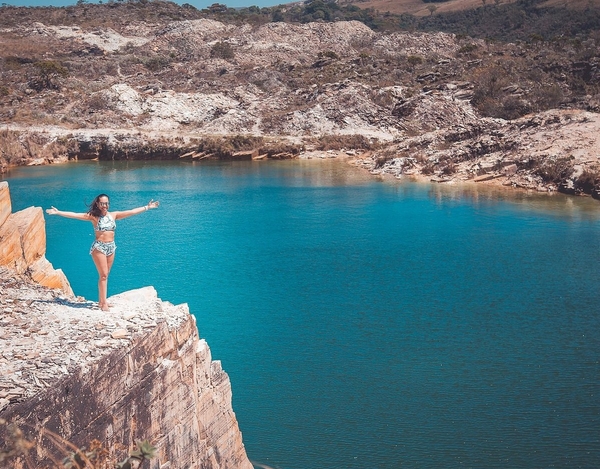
[[105, 223]]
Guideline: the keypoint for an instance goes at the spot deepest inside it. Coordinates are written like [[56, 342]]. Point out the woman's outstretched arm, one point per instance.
[[76, 216], [135, 211]]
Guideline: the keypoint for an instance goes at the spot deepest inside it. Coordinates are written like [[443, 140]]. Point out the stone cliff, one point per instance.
[[23, 244], [138, 373]]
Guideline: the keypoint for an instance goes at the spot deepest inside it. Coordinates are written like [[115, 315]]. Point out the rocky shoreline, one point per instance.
[[558, 150]]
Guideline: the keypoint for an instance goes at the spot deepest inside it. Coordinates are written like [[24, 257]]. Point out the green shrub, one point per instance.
[[49, 72], [414, 60]]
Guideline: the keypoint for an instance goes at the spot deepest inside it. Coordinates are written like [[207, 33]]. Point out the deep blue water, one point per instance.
[[363, 323]]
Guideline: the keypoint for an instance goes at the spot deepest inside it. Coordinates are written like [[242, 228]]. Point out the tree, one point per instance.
[[49, 72]]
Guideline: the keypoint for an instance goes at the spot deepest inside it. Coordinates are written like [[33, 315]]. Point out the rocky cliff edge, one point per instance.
[[138, 373]]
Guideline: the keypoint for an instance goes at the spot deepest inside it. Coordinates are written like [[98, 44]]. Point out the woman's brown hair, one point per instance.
[[94, 207]]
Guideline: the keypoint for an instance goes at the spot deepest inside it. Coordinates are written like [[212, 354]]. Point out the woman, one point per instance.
[[103, 248]]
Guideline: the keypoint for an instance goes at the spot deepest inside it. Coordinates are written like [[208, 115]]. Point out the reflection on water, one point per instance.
[[312, 173], [555, 204]]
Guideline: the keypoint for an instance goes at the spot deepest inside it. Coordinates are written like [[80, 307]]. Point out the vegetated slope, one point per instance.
[[335, 85], [423, 7], [419, 7]]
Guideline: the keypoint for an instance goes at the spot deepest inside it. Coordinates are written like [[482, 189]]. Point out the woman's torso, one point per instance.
[[104, 228]]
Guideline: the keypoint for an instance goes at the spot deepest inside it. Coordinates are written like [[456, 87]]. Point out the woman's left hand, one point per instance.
[[153, 204]]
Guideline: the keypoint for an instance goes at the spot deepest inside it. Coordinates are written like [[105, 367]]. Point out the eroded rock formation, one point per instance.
[[23, 244]]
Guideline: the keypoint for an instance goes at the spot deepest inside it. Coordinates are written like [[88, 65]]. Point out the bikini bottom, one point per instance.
[[108, 249]]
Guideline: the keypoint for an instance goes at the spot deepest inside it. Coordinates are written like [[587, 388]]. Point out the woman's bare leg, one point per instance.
[[101, 262], [109, 262]]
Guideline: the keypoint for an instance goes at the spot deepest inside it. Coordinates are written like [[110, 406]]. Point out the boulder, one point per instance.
[[42, 272], [5, 205], [23, 244], [32, 229], [11, 252]]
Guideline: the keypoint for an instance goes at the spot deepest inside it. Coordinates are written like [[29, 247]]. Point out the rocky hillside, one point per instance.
[[420, 7], [155, 80]]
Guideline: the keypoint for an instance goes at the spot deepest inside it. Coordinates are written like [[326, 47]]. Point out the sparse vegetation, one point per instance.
[[345, 142], [49, 71], [588, 181], [16, 449], [365, 79], [555, 170], [385, 155], [222, 50], [467, 49], [156, 64]]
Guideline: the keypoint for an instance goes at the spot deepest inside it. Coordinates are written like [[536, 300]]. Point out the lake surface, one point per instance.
[[363, 323]]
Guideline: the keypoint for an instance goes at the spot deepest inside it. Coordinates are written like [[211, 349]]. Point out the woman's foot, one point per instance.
[[105, 307]]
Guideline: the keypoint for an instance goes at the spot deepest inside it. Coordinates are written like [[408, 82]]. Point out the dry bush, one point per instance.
[[24, 50], [428, 168], [385, 155], [555, 170], [414, 60], [548, 97], [449, 168], [345, 142], [222, 50], [224, 147], [467, 49], [277, 147], [48, 76], [488, 83], [96, 102], [17, 149], [157, 63], [60, 453], [587, 181]]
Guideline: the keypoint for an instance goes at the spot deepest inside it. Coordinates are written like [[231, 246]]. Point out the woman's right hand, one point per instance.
[[52, 211]]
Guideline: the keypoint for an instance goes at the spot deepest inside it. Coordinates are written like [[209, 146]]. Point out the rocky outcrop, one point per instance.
[[140, 373], [548, 152], [23, 244]]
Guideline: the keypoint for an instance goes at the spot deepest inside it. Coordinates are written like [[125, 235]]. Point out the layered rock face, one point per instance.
[[23, 244], [140, 373]]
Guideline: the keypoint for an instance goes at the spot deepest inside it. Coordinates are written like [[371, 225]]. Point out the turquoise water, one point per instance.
[[363, 323]]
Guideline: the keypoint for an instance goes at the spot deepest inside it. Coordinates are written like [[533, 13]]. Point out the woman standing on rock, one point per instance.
[[103, 248]]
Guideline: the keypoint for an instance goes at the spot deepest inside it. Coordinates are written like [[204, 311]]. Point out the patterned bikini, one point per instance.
[[105, 223]]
